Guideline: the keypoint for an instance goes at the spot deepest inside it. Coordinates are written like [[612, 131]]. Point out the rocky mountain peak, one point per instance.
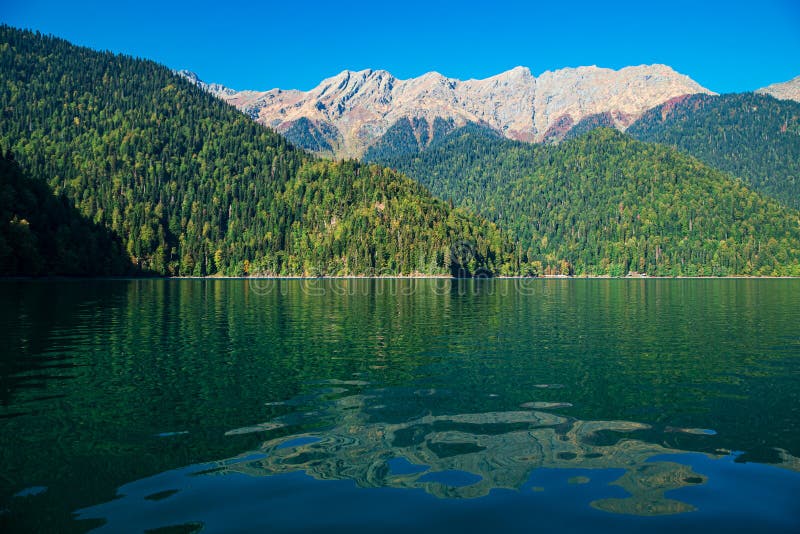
[[517, 73], [189, 75], [783, 91], [213, 88], [354, 109]]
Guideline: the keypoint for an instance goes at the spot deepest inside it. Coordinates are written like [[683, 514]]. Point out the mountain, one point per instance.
[[348, 113], [785, 90], [605, 203], [43, 234], [190, 186], [214, 88], [752, 136]]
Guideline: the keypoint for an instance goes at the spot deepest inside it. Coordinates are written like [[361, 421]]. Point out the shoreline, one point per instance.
[[395, 277], [434, 277]]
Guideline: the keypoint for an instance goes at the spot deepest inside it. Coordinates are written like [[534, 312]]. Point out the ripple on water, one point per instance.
[[261, 427], [454, 478], [337, 382], [694, 431], [401, 466], [31, 492], [579, 480], [161, 495], [549, 386], [541, 405], [297, 442], [171, 434]]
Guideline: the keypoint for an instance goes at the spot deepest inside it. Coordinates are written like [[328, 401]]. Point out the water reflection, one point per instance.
[[459, 456], [501, 448], [451, 389]]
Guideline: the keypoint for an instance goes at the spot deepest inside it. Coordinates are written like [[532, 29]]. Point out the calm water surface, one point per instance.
[[400, 405]]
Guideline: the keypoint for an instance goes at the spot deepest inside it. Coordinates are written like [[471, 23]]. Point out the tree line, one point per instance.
[[188, 185], [605, 203]]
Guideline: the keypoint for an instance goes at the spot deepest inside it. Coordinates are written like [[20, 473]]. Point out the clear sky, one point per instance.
[[293, 44]]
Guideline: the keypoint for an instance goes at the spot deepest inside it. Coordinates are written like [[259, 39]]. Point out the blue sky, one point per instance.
[[726, 46]]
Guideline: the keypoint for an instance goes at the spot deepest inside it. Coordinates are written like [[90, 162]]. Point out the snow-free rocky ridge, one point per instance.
[[346, 114], [783, 91]]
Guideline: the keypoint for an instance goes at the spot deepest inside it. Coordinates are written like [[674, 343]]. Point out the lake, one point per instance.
[[400, 405]]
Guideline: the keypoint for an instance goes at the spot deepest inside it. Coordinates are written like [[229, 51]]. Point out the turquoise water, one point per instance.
[[398, 405]]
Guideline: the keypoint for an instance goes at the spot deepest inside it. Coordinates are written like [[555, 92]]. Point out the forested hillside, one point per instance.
[[191, 186], [43, 234], [605, 203], [409, 136], [754, 137]]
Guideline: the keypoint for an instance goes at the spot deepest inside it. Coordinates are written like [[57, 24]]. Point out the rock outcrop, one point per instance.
[[783, 91], [349, 112]]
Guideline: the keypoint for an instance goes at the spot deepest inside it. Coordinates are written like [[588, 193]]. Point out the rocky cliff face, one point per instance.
[[349, 112], [215, 89], [784, 91]]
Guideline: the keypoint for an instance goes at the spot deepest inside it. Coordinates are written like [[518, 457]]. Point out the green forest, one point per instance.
[[409, 136], [188, 185], [41, 233], [605, 203], [114, 165], [754, 137]]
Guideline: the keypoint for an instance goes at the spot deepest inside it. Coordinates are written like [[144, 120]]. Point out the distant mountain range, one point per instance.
[[347, 114]]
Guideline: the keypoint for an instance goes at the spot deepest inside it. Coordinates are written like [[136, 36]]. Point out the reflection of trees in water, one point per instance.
[[503, 448]]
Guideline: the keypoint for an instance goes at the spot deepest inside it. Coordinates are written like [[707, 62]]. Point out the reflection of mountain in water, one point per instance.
[[442, 455], [338, 435]]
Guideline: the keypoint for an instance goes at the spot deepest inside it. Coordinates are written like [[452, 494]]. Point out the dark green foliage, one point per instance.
[[441, 127], [400, 138], [408, 136], [195, 187], [41, 234], [607, 204], [587, 124], [306, 134], [754, 137]]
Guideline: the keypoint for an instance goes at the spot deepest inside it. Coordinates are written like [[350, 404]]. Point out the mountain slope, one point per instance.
[[789, 90], [44, 234], [608, 204], [193, 187], [353, 110], [754, 137]]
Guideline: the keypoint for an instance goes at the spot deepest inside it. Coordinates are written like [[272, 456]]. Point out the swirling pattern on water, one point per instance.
[[632, 399], [461, 456]]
